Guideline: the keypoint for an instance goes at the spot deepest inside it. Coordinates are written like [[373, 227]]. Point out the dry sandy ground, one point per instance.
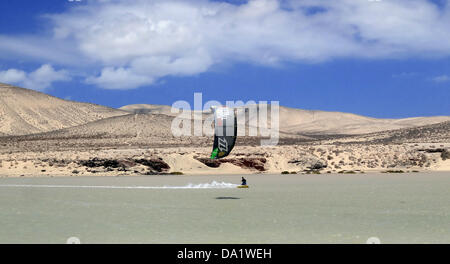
[[299, 121], [41, 135], [24, 111], [244, 160]]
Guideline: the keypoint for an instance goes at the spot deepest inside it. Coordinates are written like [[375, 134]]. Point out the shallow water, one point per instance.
[[396, 208]]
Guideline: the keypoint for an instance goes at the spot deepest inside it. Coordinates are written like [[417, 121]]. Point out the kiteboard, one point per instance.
[[242, 186]]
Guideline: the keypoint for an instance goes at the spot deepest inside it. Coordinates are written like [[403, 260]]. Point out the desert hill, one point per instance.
[[303, 122], [149, 130], [323, 122], [24, 111], [434, 133], [125, 126], [84, 139], [147, 109]]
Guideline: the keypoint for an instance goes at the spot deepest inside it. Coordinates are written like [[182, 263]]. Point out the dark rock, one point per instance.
[[445, 155], [438, 150], [209, 162], [246, 163], [318, 165], [155, 164]]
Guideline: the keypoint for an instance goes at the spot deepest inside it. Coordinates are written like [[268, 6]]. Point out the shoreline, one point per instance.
[[216, 175], [245, 160]]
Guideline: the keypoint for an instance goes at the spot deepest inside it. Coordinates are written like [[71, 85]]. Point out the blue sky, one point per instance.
[[391, 67]]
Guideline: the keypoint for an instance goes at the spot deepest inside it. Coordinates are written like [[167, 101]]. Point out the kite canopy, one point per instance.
[[225, 132]]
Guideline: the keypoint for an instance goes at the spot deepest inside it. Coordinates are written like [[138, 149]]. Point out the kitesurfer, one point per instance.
[[244, 181]]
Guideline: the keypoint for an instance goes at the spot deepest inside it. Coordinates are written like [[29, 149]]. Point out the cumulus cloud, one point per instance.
[[120, 78], [40, 79], [12, 76], [134, 43]]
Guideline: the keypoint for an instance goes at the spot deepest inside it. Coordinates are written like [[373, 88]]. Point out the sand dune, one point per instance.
[[147, 109], [24, 111], [298, 121], [322, 122], [125, 126], [44, 135], [155, 127], [434, 133], [143, 130]]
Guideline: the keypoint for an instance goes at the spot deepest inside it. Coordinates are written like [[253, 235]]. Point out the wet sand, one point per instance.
[[332, 208]]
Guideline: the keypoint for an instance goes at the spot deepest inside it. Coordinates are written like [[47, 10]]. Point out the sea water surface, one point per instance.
[[329, 208]]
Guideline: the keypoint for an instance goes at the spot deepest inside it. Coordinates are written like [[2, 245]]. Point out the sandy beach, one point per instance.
[[48, 136], [316, 159]]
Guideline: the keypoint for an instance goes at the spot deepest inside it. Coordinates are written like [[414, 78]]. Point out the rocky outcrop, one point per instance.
[[245, 163], [153, 164], [310, 162], [156, 164]]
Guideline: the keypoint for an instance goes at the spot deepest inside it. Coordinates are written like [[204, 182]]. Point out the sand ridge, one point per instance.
[[41, 135], [24, 111]]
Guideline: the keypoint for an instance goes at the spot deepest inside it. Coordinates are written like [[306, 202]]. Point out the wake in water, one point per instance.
[[212, 185]]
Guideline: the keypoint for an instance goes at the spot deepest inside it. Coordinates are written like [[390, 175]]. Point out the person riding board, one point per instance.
[[244, 181]]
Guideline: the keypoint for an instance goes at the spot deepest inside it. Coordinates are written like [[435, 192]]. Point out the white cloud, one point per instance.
[[120, 78], [134, 43], [12, 76], [41, 48], [441, 78], [39, 79]]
